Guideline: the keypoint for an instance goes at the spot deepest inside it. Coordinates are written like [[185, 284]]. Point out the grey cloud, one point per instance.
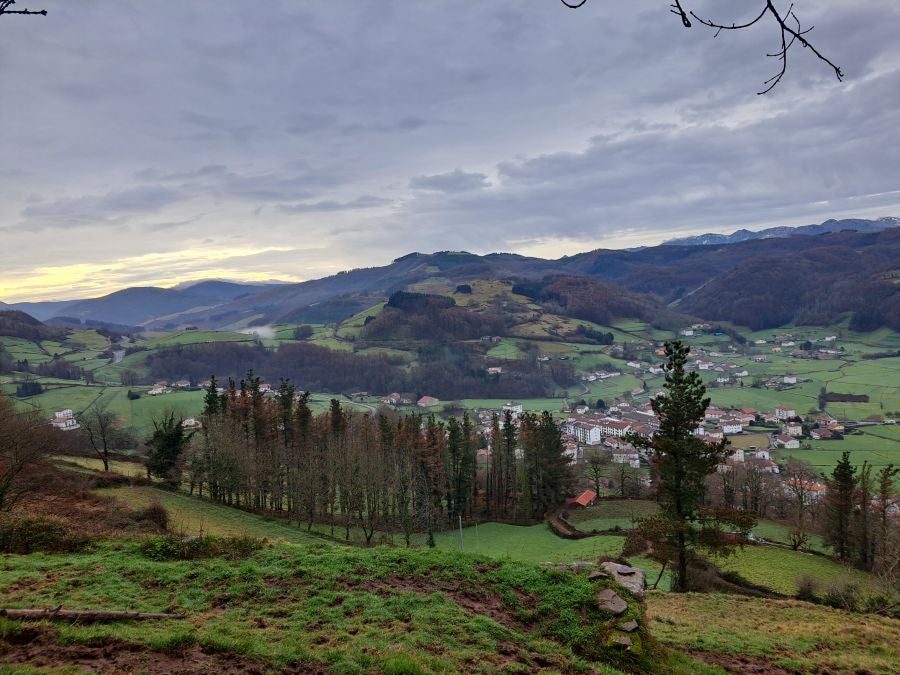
[[454, 181], [606, 119], [89, 208], [363, 202]]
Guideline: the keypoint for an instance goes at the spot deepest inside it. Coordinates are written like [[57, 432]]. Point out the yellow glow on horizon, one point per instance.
[[85, 280]]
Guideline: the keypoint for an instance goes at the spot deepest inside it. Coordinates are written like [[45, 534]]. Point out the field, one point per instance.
[[314, 608], [610, 513], [779, 568], [194, 516], [752, 635]]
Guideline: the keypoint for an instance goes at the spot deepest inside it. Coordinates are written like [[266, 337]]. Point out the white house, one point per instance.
[[732, 426], [631, 458], [784, 413], [793, 429], [64, 420], [785, 441], [515, 408], [789, 379]]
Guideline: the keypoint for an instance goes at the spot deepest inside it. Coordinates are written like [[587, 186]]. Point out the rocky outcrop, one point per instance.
[[629, 577]]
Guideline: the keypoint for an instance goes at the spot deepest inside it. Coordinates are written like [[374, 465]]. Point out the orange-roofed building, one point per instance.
[[584, 500]]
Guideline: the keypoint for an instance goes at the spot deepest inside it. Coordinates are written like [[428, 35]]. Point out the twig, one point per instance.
[[6, 3], [789, 36]]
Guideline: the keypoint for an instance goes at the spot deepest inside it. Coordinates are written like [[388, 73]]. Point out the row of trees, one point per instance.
[[859, 523], [448, 371], [377, 472]]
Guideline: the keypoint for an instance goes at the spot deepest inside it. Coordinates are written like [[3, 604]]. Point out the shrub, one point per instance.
[[843, 595], [180, 547], [808, 588], [38, 534], [156, 514]]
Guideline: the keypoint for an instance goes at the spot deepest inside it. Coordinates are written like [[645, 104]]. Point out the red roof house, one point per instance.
[[584, 500]]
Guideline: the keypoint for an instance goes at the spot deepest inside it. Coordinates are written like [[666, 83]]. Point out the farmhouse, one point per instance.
[[632, 459], [732, 426], [427, 401], [783, 413], [821, 434], [64, 420], [785, 441], [584, 500], [793, 429], [789, 379], [809, 491], [766, 465]]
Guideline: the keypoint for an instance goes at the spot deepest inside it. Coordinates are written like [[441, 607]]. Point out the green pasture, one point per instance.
[[195, 516], [607, 514], [779, 568], [192, 337]]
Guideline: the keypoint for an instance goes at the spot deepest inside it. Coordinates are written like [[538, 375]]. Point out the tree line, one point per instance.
[[447, 371], [379, 472]]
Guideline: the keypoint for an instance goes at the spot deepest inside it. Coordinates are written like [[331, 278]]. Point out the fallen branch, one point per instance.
[[88, 615]]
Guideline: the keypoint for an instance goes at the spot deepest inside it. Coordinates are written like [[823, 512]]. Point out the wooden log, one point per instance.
[[87, 615]]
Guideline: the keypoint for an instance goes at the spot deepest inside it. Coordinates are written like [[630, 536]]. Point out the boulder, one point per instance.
[[629, 626], [630, 577], [623, 642], [610, 601]]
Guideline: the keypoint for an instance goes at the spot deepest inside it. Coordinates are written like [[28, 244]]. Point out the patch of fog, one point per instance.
[[266, 332]]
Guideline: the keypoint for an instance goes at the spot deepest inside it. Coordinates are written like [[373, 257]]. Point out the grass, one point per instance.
[[610, 513], [792, 635], [778, 568], [130, 469], [194, 516], [533, 544], [344, 609], [773, 531], [193, 337]]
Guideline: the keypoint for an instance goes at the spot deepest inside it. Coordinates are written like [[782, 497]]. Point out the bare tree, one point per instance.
[[25, 439], [98, 427], [790, 30]]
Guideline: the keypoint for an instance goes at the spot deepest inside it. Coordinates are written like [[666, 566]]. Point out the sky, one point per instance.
[[146, 143]]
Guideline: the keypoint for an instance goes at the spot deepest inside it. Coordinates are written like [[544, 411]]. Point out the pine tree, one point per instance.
[[682, 462], [839, 507], [211, 402]]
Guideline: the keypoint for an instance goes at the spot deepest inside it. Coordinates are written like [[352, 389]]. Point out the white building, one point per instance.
[[732, 426], [64, 420], [783, 413], [632, 459]]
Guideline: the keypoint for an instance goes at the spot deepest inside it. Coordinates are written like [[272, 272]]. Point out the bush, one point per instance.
[[180, 547], [38, 534], [843, 595], [808, 588], [156, 514]]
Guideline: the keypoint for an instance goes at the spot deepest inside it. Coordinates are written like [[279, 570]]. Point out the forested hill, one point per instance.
[[760, 283]]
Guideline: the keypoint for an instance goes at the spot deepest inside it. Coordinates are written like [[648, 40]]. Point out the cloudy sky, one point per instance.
[[149, 143]]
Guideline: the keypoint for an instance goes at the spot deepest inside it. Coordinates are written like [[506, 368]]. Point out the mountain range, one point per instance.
[[852, 224], [815, 275]]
